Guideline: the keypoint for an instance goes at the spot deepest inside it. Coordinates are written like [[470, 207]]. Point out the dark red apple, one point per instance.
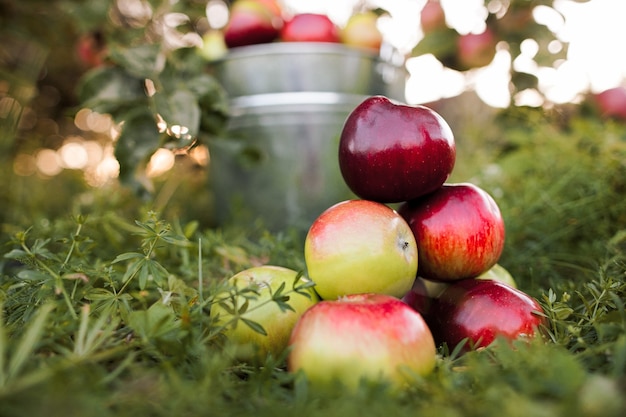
[[476, 50], [432, 17], [310, 27], [611, 103], [391, 152], [482, 310], [423, 294], [459, 232], [251, 22]]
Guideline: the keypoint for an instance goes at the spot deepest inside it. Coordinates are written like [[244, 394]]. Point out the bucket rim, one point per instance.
[[242, 103]]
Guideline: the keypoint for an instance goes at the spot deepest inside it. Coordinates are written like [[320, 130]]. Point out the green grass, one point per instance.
[[105, 311]]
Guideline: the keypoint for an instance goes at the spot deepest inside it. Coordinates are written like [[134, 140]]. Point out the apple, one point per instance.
[[424, 292], [360, 246], [459, 231], [481, 311], [499, 273], [361, 31], [310, 27], [278, 324], [392, 152], [432, 17], [251, 22], [361, 337], [423, 295], [475, 50], [91, 49], [213, 45], [612, 102]]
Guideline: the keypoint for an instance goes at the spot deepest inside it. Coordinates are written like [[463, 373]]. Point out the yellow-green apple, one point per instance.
[[475, 50], [361, 31], [310, 27], [252, 290], [459, 231], [611, 102], [251, 22], [392, 152], [361, 337], [481, 311], [432, 17], [499, 273], [360, 246], [213, 45]]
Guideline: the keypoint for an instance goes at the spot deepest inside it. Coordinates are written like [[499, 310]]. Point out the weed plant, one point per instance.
[[108, 315]]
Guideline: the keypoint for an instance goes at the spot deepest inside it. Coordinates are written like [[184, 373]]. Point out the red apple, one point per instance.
[[459, 231], [372, 337], [265, 280], [424, 292], [360, 246], [476, 50], [391, 152], [91, 49], [432, 17], [361, 31], [251, 22], [482, 310], [611, 103], [310, 27]]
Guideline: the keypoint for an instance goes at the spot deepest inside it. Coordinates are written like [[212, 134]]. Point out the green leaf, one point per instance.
[[109, 89], [158, 320], [127, 256], [16, 254], [28, 342], [254, 326], [157, 271], [141, 61], [138, 140], [179, 108], [32, 275]]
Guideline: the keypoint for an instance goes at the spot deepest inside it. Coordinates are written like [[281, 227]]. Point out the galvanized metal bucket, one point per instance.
[[278, 161]]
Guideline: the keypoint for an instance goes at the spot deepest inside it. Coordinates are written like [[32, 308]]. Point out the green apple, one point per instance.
[[213, 45], [361, 31], [360, 246], [253, 290], [361, 337], [499, 273]]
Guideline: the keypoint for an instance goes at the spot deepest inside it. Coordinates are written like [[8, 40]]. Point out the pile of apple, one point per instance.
[[392, 285], [253, 22]]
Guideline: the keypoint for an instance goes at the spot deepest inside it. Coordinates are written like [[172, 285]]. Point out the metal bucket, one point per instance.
[[308, 66], [278, 161]]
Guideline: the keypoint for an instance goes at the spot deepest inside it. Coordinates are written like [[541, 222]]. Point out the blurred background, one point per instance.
[[117, 98]]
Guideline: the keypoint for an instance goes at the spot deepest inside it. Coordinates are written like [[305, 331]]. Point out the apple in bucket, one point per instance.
[[391, 152], [359, 246], [252, 22], [310, 27], [459, 231], [253, 289], [361, 31], [361, 337]]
